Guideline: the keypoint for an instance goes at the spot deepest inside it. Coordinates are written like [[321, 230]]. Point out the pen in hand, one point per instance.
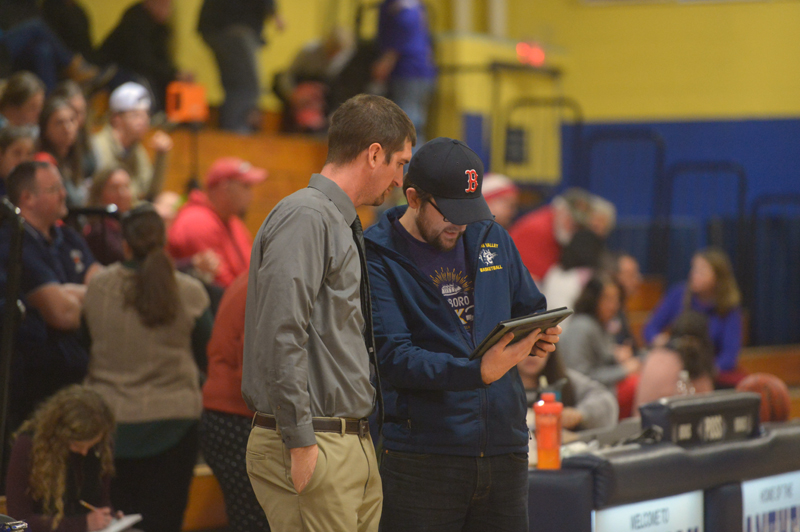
[[89, 506]]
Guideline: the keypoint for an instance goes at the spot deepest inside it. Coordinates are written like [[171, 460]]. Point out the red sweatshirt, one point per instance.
[[197, 227], [533, 234], [223, 388]]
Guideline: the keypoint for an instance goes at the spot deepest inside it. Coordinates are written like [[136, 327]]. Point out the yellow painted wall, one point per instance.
[[671, 60]]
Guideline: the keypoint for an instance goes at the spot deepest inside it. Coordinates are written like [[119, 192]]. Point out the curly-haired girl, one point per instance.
[[62, 456]]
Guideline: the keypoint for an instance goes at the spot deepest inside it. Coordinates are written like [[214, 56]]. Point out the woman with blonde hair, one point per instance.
[[61, 456], [711, 290]]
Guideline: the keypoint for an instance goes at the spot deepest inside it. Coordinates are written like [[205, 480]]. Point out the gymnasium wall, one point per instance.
[[718, 80]]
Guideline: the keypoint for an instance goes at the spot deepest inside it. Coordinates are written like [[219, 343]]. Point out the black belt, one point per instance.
[[338, 424]]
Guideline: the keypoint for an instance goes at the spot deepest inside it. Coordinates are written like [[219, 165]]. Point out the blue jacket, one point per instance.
[[436, 401]]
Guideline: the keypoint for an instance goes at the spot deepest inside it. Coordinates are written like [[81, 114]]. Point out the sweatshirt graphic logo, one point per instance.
[[487, 257], [456, 287]]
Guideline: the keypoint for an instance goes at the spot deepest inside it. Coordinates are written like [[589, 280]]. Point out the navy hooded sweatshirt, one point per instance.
[[436, 401]]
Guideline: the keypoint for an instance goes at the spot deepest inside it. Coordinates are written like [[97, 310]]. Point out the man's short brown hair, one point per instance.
[[363, 120], [22, 178]]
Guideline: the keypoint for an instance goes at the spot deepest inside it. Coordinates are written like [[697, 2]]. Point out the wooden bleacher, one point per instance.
[[290, 161], [641, 304], [206, 508]]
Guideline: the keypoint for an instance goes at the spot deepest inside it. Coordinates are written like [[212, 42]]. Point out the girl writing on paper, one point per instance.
[[62, 456]]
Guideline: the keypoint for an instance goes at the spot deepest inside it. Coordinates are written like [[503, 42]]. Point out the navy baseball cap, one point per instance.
[[452, 173]]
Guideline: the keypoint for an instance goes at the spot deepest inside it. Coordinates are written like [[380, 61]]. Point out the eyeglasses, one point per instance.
[[439, 211]]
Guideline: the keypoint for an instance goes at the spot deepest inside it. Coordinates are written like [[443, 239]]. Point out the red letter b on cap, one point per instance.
[[472, 181]]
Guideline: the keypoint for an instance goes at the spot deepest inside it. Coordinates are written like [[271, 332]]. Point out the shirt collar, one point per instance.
[[336, 195], [55, 238]]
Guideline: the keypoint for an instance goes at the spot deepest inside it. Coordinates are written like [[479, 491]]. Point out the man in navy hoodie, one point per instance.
[[443, 273]]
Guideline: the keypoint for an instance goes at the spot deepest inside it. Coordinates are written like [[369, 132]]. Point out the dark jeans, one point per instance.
[[235, 49], [157, 486], [446, 493], [33, 46]]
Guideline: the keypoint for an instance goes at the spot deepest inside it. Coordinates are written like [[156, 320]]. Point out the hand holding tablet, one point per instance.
[[521, 327]]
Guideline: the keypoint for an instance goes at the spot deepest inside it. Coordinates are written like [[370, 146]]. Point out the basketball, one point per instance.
[[775, 402]]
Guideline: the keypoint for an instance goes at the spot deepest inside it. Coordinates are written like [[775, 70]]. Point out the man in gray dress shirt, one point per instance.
[[306, 366]]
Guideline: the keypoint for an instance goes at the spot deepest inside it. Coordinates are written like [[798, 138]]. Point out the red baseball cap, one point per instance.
[[45, 157], [226, 168]]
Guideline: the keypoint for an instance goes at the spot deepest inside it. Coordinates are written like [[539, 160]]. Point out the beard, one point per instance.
[[435, 238]]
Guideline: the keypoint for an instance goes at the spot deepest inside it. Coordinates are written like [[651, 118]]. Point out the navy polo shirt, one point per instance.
[[64, 259]]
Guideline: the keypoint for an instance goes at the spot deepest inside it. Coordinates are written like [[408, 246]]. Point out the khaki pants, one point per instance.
[[344, 493]]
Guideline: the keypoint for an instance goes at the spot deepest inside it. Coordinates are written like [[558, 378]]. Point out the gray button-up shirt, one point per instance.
[[304, 354]]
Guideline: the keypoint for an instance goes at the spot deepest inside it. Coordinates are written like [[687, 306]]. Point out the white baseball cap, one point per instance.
[[128, 97]]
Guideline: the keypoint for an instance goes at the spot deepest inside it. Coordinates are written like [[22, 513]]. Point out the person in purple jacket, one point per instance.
[[712, 290], [406, 62]]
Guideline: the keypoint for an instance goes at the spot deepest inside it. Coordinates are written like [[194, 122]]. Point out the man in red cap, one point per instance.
[[212, 220]]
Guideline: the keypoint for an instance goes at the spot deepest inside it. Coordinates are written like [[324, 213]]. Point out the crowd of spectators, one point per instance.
[[125, 304]]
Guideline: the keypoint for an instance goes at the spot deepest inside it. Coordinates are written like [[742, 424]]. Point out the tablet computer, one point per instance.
[[521, 327]]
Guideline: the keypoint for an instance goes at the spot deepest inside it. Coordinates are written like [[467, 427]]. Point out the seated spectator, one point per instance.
[[104, 235], [61, 457], [16, 146], [304, 87], [689, 349], [140, 46], [541, 235], [149, 327], [72, 92], [580, 261], [502, 196], [629, 278], [213, 220], [58, 126], [588, 346], [32, 45], [56, 264], [711, 290], [119, 143], [21, 100], [227, 421], [587, 403]]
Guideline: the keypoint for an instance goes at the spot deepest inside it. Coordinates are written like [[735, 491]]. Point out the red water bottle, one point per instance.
[[548, 431]]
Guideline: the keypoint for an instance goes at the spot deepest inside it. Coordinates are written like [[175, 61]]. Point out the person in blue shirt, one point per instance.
[[443, 273], [56, 265], [712, 290], [406, 63]]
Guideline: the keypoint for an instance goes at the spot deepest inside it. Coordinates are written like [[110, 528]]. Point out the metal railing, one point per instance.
[[540, 123], [664, 210], [12, 312]]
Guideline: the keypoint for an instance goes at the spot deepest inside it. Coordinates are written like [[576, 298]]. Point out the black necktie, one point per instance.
[[366, 310]]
